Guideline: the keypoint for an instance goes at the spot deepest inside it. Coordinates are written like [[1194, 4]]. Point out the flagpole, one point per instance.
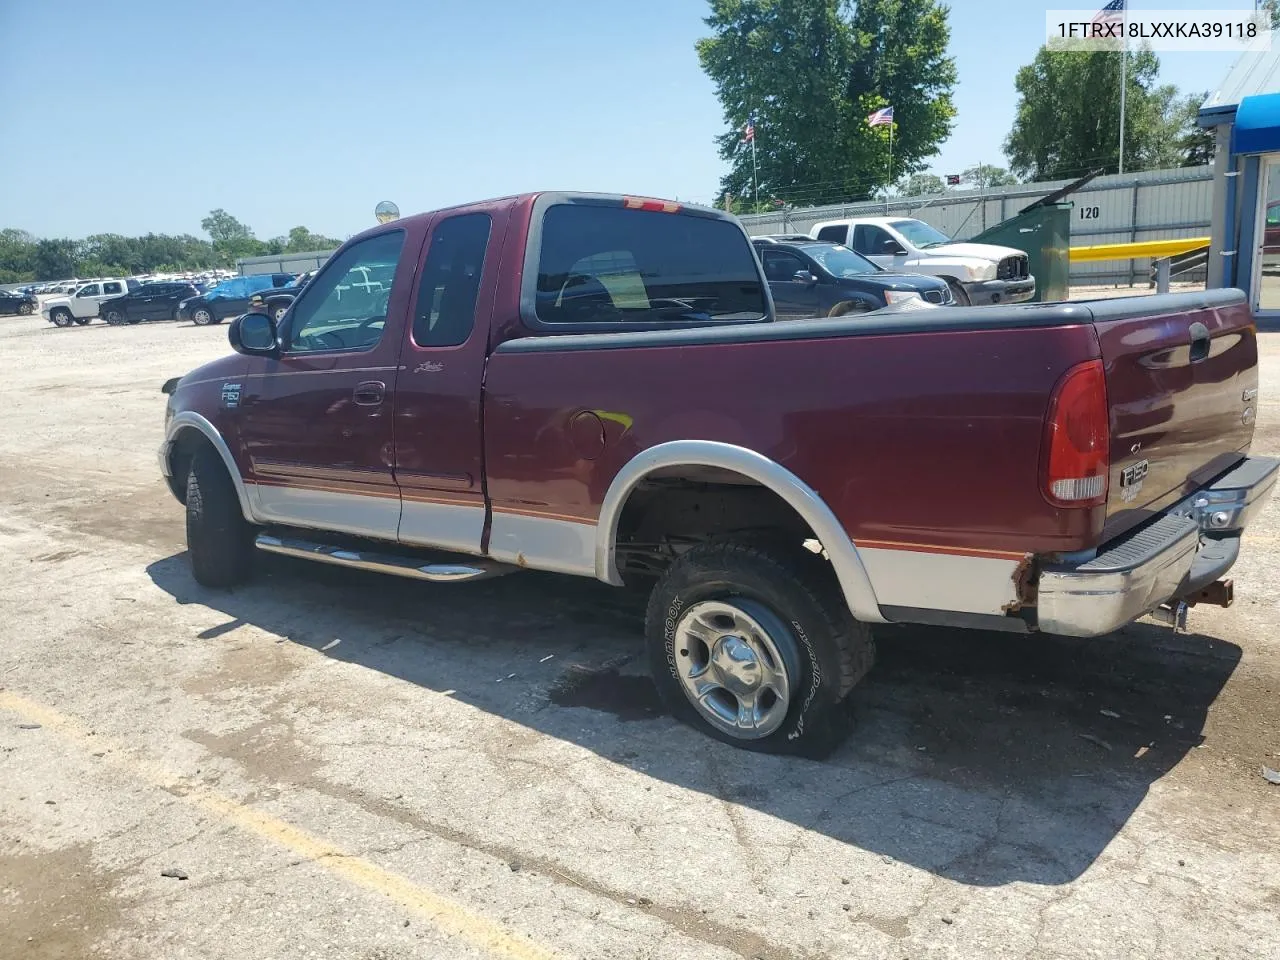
[[755, 178], [890, 184], [1124, 76]]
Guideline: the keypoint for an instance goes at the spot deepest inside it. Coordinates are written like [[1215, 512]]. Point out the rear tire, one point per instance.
[[729, 611], [25, 309], [957, 291], [219, 539], [82, 321], [848, 307], [278, 312]]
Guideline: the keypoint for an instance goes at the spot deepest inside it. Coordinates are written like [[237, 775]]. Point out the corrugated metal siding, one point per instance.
[[1155, 205]]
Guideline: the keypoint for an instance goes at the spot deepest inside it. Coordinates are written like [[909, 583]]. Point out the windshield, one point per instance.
[[841, 261], [920, 234]]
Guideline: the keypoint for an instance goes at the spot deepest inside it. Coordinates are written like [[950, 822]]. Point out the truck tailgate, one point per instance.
[[1181, 386]]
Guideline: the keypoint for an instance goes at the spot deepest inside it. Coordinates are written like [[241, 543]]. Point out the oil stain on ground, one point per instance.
[[605, 687]]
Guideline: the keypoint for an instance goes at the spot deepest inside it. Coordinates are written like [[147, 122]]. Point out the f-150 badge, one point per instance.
[[1131, 479], [231, 395]]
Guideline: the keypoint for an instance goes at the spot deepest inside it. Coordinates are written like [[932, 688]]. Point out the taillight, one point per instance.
[[1077, 436]]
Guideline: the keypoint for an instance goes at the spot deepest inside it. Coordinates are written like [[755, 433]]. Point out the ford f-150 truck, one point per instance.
[[598, 386]]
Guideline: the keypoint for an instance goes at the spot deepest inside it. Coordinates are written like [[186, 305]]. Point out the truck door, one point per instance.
[[316, 423], [438, 453]]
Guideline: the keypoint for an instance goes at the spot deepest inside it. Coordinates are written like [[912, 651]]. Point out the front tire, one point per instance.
[[25, 309], [751, 643], [83, 321], [219, 539], [203, 317], [957, 292], [61, 317], [116, 318], [848, 307]]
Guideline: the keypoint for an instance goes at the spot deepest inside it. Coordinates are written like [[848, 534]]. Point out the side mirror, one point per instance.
[[804, 276], [893, 248], [253, 334]]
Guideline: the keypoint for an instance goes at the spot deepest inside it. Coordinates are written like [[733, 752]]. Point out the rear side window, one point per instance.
[[446, 309], [604, 264], [837, 234]]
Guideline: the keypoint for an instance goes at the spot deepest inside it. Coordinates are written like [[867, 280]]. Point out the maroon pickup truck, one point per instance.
[[597, 385]]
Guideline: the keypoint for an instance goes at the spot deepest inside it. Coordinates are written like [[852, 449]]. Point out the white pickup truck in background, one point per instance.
[[978, 273], [83, 304]]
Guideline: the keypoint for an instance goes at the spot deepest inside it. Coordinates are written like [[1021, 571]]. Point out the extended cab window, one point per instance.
[[345, 307], [446, 309], [606, 264], [836, 234], [113, 287]]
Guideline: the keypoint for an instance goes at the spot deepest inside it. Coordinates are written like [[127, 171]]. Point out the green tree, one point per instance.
[[984, 176], [302, 240], [809, 72], [17, 256], [55, 259], [1196, 143], [1068, 116], [921, 185], [231, 238]]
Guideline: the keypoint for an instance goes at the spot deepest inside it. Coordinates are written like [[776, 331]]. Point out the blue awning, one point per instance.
[[1257, 127]]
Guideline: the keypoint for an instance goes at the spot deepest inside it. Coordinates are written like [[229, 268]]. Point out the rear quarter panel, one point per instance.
[[921, 438]]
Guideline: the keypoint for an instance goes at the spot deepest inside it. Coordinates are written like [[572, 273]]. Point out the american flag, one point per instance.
[[1112, 13], [884, 118], [749, 134]]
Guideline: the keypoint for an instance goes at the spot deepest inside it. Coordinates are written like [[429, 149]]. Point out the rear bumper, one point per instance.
[[987, 292], [1190, 546]]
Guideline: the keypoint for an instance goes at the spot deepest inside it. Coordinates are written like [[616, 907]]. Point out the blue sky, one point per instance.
[[145, 114]]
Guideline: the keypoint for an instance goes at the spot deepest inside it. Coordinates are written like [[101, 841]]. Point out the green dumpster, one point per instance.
[[1043, 232]]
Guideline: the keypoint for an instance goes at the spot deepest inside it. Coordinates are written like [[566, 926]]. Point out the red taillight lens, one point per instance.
[[1076, 459]]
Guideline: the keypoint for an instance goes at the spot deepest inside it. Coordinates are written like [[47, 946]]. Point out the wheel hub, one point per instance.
[[732, 660], [736, 666]]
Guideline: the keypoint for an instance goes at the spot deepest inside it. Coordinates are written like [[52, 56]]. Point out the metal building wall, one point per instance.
[[1155, 205]]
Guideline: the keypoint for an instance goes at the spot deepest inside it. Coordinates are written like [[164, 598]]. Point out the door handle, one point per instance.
[[1199, 342], [370, 393]]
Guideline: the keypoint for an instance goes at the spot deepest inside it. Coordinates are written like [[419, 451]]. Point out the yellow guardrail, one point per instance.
[[1156, 249]]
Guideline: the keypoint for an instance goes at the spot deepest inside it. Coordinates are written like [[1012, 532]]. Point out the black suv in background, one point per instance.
[[813, 278], [18, 302], [151, 301]]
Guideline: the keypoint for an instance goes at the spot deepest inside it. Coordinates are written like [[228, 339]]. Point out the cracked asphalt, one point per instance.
[[348, 766]]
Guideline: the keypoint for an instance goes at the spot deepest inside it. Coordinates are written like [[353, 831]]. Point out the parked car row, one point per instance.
[[868, 263], [125, 300]]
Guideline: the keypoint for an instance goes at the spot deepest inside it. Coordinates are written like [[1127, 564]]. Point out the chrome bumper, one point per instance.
[[1192, 545]]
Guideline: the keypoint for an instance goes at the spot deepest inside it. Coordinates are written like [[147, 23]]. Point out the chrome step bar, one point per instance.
[[414, 568]]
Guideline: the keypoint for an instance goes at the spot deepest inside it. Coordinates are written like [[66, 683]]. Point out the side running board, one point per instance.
[[416, 568]]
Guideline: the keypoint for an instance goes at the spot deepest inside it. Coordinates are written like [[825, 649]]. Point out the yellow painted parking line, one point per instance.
[[447, 916]]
